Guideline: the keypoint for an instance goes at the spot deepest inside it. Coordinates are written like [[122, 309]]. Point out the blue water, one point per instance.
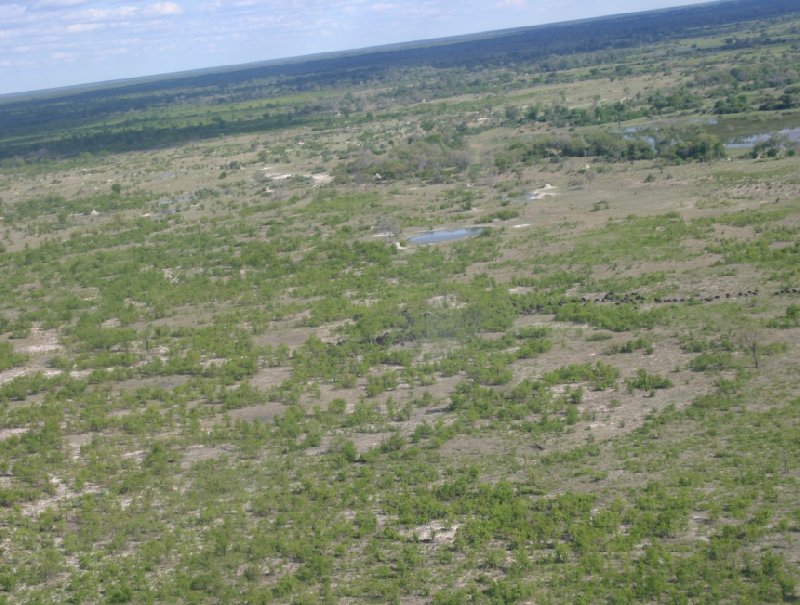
[[444, 235], [745, 142]]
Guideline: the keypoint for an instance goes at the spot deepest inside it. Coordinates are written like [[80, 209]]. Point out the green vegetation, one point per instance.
[[250, 388]]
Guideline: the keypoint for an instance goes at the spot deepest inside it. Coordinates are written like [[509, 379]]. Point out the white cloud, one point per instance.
[[164, 8], [383, 7], [11, 63], [59, 3], [80, 28], [11, 11], [62, 57], [105, 14]]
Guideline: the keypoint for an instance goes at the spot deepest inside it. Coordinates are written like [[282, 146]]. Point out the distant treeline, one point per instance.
[[671, 144], [149, 136], [87, 119]]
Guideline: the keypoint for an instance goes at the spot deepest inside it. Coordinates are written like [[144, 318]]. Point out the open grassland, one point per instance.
[[226, 376]]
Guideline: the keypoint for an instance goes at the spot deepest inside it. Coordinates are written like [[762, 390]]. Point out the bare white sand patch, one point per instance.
[[62, 492], [270, 377], [560, 389], [437, 532], [7, 433], [75, 442], [39, 341], [322, 179], [547, 191], [446, 300], [169, 275], [196, 453], [44, 348], [366, 441], [162, 353], [137, 455], [263, 413], [9, 375], [328, 332], [14, 373], [214, 361]]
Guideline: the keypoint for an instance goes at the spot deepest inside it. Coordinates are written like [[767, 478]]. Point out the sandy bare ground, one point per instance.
[[197, 453], [270, 377], [14, 373], [8, 433], [62, 493], [263, 413]]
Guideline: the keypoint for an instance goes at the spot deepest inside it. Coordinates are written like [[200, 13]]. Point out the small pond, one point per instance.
[[745, 142], [444, 235]]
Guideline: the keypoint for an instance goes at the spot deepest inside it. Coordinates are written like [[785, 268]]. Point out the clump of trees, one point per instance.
[[674, 145], [436, 155]]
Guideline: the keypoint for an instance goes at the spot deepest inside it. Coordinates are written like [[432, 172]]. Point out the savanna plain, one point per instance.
[[228, 374]]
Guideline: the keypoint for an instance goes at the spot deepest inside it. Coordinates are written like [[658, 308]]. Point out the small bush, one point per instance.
[[647, 382], [712, 360]]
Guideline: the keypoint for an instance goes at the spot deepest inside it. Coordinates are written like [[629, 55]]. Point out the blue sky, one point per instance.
[[51, 43]]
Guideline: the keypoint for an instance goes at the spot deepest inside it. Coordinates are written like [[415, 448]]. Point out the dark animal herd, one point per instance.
[[636, 298]]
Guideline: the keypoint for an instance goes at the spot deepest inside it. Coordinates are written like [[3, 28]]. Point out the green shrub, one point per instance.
[[630, 346], [647, 382], [8, 358], [617, 318], [712, 361], [600, 375]]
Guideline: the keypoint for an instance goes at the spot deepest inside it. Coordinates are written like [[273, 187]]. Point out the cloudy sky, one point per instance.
[[51, 43]]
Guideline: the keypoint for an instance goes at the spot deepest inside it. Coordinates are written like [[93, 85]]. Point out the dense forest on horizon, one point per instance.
[[123, 116]]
